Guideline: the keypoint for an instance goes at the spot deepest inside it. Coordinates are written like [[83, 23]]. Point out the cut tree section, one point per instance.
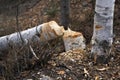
[[73, 40]]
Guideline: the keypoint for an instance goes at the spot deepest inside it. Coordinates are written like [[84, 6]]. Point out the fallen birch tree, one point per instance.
[[44, 32], [41, 33]]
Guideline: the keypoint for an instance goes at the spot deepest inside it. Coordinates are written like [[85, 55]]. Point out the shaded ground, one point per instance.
[[75, 65], [72, 65]]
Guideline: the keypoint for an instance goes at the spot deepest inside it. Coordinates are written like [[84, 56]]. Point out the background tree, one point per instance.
[[65, 10], [103, 28]]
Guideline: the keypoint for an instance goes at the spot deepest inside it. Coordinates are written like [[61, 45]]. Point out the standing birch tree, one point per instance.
[[102, 38]]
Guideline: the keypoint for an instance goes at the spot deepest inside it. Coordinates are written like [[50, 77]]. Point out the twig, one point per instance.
[[31, 49], [17, 23]]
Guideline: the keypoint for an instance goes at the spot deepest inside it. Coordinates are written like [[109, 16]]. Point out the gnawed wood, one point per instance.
[[43, 32], [73, 40]]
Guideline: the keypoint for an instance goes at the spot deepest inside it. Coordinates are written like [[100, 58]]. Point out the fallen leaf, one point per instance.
[[85, 71], [96, 77], [61, 72], [102, 69]]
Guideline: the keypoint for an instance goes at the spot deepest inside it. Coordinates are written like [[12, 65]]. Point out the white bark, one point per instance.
[[103, 27], [43, 32]]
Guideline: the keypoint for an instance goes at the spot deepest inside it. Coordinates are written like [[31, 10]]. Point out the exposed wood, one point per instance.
[[73, 40], [41, 33]]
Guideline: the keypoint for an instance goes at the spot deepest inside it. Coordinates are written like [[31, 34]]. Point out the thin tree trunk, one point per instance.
[[103, 27], [65, 11], [43, 32]]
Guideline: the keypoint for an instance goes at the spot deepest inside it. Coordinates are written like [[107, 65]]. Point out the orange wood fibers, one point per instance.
[[72, 34], [98, 27]]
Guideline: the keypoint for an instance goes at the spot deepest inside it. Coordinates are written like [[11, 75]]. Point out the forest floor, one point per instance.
[[54, 63], [75, 65]]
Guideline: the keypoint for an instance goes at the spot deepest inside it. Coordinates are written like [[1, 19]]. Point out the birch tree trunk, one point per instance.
[[103, 27], [65, 10], [41, 33]]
